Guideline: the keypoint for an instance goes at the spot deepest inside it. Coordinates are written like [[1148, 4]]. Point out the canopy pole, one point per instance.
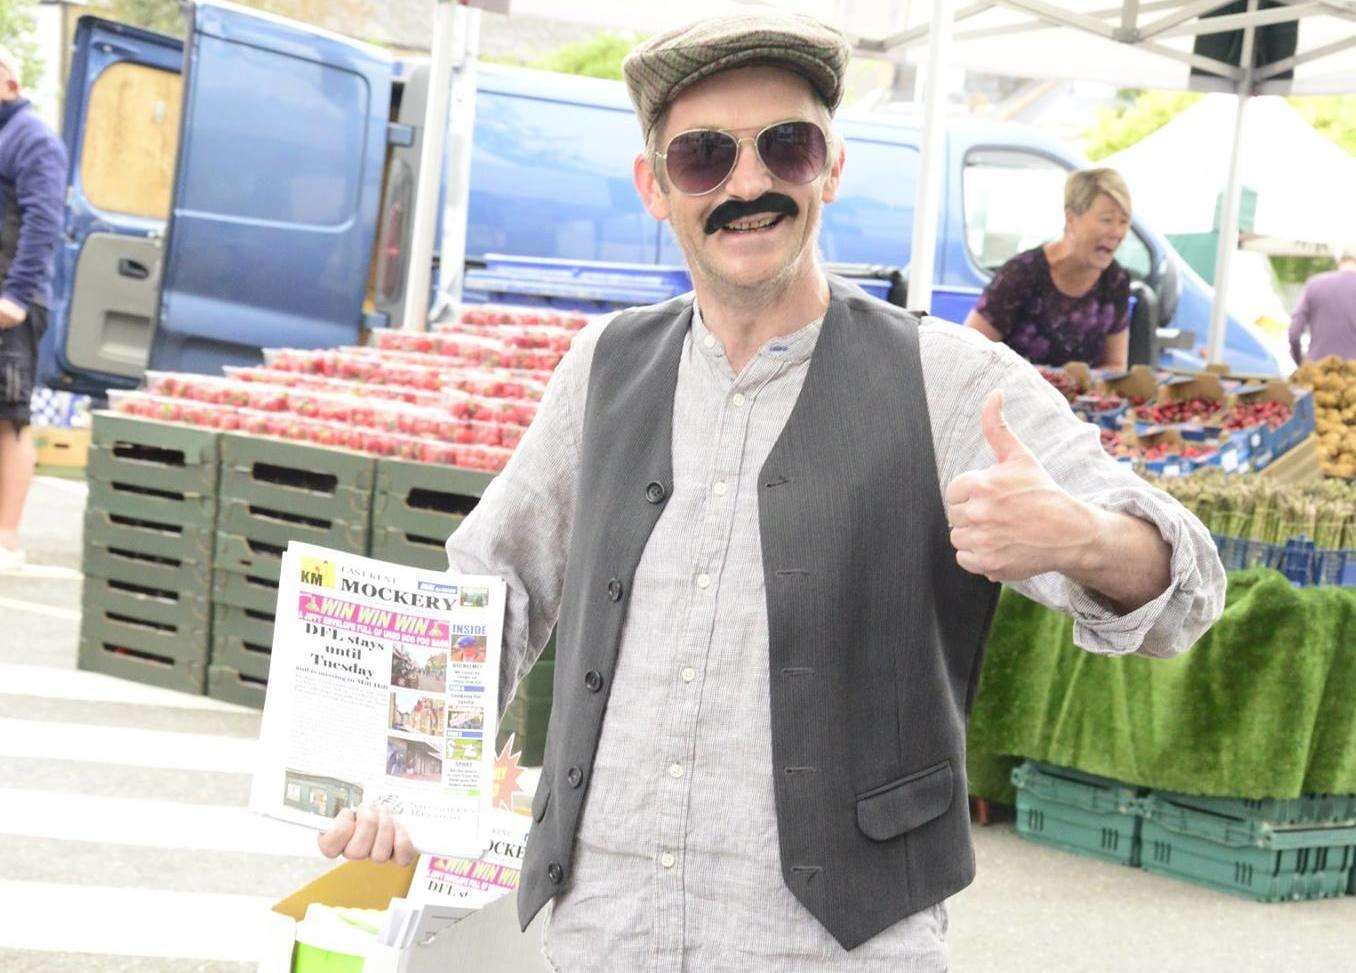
[[927, 204], [457, 186], [447, 17], [1233, 195]]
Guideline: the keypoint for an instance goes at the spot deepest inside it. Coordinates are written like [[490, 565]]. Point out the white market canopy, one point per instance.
[[1305, 183]]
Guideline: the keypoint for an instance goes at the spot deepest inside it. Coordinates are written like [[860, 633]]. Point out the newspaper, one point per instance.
[[382, 691]]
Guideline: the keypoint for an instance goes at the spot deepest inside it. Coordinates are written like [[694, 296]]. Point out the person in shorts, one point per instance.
[[32, 201]]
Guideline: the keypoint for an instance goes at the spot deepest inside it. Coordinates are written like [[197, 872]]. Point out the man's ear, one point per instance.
[[835, 176], [648, 185]]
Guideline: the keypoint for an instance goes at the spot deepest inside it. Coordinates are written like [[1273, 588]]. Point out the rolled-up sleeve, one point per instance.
[[520, 529], [1070, 451]]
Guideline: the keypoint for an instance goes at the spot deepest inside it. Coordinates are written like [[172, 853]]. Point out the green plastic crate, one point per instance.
[[166, 454], [1307, 809], [1064, 785], [163, 606], [279, 527], [127, 653], [244, 591], [248, 624], [1255, 873], [147, 570], [394, 544], [1109, 835], [176, 639], [227, 684], [245, 555], [247, 657], [1244, 833], [183, 542], [308, 492], [344, 468], [423, 500], [152, 504]]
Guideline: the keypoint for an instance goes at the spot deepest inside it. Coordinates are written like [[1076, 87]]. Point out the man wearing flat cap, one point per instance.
[[767, 521]]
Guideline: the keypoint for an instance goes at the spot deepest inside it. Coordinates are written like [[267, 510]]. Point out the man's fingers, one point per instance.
[[332, 842], [405, 853], [384, 844], [1002, 440], [964, 538], [961, 488], [360, 845]]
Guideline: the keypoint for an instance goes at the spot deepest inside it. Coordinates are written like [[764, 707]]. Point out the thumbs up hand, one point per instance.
[[1012, 521]]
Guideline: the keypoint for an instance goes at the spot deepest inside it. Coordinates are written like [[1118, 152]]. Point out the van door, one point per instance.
[[276, 190], [121, 129]]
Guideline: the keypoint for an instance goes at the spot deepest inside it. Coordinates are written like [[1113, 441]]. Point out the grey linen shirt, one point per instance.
[[676, 864]]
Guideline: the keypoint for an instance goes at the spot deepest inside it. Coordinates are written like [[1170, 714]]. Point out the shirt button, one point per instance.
[[688, 674], [574, 776], [593, 681], [655, 492], [738, 399], [555, 873], [667, 860], [709, 341], [675, 771], [703, 581], [614, 589], [720, 488]]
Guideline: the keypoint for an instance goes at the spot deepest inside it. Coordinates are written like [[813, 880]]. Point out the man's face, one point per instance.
[[760, 261]]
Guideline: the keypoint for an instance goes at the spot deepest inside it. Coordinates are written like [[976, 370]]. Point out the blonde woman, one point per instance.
[[1068, 300]]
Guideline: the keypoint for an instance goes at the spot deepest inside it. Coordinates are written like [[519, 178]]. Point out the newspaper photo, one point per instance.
[[382, 690]]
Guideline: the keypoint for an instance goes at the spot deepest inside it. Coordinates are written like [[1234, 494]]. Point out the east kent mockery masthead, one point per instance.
[[397, 596]]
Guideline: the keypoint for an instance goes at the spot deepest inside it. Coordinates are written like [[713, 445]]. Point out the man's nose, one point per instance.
[[750, 178]]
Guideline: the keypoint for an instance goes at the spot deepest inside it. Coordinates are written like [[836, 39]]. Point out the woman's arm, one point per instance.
[[981, 324], [1116, 351]]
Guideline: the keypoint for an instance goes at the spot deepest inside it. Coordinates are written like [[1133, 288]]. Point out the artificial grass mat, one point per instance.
[[1263, 705]]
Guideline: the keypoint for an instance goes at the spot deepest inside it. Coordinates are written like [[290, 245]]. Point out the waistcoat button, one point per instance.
[[593, 681], [555, 873], [655, 492], [614, 589], [575, 776]]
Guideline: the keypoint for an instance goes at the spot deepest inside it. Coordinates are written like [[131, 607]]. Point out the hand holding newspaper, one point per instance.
[[382, 690]]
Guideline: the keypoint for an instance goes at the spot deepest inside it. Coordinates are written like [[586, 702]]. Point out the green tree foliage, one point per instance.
[[1333, 115], [17, 33], [1138, 114], [598, 57]]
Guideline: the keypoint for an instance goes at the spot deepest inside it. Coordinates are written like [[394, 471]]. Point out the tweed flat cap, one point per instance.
[[658, 69]]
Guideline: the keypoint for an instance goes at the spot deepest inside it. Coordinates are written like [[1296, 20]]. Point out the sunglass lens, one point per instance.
[[699, 161], [794, 152]]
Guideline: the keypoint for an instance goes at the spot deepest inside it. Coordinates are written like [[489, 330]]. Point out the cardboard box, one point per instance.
[[1138, 383], [66, 448]]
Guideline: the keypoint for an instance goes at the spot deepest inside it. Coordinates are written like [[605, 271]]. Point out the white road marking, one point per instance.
[[37, 608], [46, 572], [133, 922], [62, 483], [149, 824], [126, 746], [48, 682]]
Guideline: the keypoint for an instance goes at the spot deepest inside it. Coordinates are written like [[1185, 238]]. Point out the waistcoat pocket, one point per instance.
[[902, 805]]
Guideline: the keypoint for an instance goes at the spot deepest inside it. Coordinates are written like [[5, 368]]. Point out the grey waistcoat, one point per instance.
[[875, 633]]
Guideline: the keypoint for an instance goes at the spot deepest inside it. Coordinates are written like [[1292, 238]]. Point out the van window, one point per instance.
[[301, 166], [553, 179], [1014, 201], [131, 139], [871, 221]]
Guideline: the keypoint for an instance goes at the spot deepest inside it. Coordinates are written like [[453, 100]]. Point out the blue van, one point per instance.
[[252, 187]]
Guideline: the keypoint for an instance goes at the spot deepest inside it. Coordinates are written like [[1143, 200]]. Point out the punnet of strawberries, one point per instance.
[[1246, 415], [1061, 380], [1183, 411]]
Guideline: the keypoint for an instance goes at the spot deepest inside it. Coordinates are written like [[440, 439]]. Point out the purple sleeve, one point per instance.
[[1002, 300], [1299, 323], [40, 190]]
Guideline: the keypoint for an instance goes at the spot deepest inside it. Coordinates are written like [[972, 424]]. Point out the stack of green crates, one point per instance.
[[1268, 850], [148, 551], [274, 492], [415, 509], [1078, 812]]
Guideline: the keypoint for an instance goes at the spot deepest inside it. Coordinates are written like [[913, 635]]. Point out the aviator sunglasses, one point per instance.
[[699, 160]]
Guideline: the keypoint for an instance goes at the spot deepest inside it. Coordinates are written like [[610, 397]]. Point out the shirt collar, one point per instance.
[[790, 348]]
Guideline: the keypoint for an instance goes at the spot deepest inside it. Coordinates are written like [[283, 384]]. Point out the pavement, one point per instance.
[[125, 843]]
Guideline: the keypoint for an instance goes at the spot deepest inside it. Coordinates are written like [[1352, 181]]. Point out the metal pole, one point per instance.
[[448, 16], [1233, 193], [457, 188], [927, 205]]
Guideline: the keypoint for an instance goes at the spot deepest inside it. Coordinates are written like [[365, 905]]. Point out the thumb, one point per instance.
[[1002, 440]]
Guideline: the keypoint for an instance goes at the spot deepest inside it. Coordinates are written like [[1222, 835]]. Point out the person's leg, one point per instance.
[[16, 474]]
